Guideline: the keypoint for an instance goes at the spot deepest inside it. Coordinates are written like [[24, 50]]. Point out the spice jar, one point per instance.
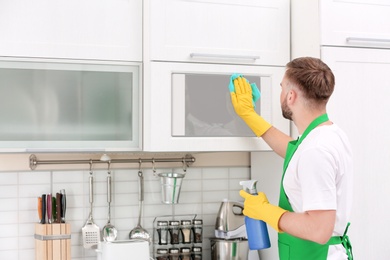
[[196, 253], [162, 254], [185, 253], [162, 230], [186, 231], [174, 254], [174, 231], [197, 228]]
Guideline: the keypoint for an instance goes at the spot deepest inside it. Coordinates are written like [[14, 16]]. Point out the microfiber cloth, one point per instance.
[[255, 91]]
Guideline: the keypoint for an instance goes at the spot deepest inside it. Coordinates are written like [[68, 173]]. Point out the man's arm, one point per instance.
[[315, 225], [277, 140]]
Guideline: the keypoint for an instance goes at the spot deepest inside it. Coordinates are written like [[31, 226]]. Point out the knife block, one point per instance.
[[52, 241]]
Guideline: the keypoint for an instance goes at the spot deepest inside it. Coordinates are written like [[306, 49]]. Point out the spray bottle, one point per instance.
[[256, 230]]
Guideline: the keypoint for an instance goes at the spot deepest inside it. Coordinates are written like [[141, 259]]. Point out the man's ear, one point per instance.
[[291, 96]]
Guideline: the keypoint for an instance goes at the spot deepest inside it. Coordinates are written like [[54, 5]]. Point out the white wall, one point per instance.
[[267, 168], [202, 191]]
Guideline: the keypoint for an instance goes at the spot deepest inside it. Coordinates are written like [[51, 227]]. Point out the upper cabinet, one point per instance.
[[67, 106], [132, 75], [191, 48], [188, 107], [360, 23], [218, 31], [72, 29]]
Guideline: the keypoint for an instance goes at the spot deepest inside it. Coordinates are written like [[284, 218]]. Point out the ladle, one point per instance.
[[139, 232], [110, 233]]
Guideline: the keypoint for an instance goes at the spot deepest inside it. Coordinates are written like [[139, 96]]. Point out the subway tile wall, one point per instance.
[[202, 191]]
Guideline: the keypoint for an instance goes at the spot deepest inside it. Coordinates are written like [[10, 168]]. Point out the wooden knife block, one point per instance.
[[52, 241]]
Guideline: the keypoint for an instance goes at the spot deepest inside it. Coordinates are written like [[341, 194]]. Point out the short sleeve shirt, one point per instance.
[[319, 177]]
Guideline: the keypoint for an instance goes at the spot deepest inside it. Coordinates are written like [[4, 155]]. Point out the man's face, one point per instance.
[[286, 87]]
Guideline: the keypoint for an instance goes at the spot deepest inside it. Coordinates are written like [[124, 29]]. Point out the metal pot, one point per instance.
[[232, 249]]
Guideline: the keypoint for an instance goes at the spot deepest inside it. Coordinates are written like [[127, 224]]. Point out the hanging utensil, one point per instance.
[[139, 232], [109, 231], [90, 231]]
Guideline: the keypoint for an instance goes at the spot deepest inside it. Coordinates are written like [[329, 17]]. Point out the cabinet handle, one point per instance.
[[372, 40], [223, 56]]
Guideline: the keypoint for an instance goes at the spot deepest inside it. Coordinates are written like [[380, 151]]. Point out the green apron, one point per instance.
[[294, 248]]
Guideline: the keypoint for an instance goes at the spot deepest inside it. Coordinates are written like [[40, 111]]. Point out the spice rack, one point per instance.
[[178, 237]]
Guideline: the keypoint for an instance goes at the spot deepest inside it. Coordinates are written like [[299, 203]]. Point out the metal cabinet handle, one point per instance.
[[372, 40], [223, 56]]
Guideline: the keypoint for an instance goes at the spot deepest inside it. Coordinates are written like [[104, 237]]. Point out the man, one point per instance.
[[316, 190]]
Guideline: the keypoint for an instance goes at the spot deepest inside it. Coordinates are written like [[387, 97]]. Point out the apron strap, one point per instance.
[[344, 240]]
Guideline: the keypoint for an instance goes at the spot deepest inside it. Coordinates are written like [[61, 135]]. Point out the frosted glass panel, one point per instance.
[[202, 106], [67, 102]]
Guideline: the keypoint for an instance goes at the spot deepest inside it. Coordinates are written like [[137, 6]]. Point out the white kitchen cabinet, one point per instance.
[[69, 105], [363, 23], [187, 107], [360, 105], [72, 29], [218, 31]]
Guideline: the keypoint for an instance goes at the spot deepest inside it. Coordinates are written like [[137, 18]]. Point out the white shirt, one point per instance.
[[319, 177]]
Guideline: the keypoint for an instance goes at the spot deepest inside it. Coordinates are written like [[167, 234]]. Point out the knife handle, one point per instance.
[[40, 209], [49, 208], [54, 208], [43, 220], [63, 205], [58, 199]]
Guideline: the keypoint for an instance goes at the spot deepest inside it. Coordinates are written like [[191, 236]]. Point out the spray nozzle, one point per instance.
[[249, 186]]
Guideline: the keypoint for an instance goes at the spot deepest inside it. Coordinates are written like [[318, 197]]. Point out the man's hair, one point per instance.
[[313, 77]]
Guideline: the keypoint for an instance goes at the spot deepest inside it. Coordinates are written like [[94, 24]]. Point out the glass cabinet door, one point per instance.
[[72, 105], [207, 109]]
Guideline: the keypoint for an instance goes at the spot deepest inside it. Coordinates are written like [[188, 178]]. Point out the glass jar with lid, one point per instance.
[[174, 231], [162, 231], [162, 254], [196, 253], [174, 254], [197, 230], [185, 253], [186, 231]]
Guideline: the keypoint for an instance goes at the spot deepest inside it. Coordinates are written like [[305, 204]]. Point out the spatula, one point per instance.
[[90, 231]]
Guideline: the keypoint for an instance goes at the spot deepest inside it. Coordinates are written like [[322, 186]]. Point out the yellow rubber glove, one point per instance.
[[258, 207], [243, 105]]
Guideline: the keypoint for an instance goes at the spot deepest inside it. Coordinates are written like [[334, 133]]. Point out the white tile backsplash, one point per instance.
[[201, 193]]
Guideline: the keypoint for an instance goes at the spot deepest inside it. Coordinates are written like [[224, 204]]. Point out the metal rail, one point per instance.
[[187, 160]]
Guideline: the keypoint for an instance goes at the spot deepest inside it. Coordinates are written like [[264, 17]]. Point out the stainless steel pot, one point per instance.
[[232, 249]]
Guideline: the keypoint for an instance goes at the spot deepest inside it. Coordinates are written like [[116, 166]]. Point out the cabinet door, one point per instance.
[[363, 23], [88, 29], [188, 107], [360, 105], [73, 106], [220, 31]]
